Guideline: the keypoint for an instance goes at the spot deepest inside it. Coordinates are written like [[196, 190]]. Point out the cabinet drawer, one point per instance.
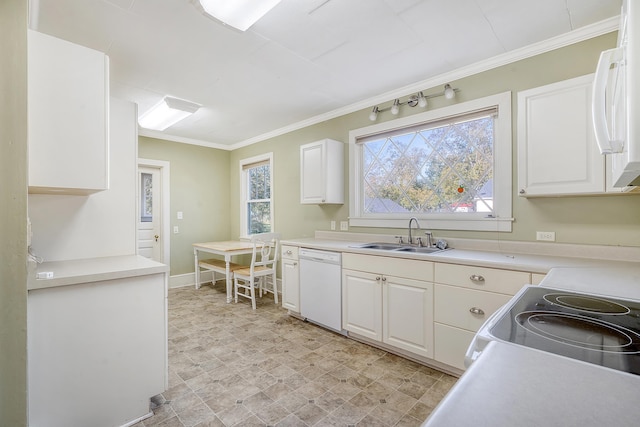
[[399, 267], [451, 344], [487, 279], [290, 252], [455, 306]]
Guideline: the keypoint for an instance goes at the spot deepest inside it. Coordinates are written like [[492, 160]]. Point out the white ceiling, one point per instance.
[[305, 58]]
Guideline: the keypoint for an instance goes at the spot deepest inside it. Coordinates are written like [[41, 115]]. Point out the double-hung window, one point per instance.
[[256, 180], [450, 168]]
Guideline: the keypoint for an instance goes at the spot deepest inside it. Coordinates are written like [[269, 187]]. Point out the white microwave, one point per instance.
[[616, 100]]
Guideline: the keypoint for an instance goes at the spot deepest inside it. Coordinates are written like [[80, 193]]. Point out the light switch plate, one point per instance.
[[179, 214], [176, 230], [344, 225], [333, 225]]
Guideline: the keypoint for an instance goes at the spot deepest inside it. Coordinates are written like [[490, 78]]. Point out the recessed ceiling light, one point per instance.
[[166, 113], [240, 14]]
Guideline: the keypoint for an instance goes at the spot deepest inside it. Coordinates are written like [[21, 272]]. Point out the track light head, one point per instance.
[[449, 93], [395, 108], [422, 101], [374, 114]]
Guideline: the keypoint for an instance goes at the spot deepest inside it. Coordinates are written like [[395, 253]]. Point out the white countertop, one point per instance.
[[511, 385], [94, 269], [507, 258]]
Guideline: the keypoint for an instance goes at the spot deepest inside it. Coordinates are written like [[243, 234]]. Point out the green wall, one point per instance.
[[13, 214], [606, 220], [199, 189], [205, 181]]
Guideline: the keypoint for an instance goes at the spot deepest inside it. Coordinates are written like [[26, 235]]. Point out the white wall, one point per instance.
[[104, 223]]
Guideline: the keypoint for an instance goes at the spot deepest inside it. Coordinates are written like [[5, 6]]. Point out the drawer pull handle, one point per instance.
[[476, 310], [476, 278], [289, 252], [384, 279], [377, 277]]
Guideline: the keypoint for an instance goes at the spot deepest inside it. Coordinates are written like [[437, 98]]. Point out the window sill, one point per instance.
[[468, 224]]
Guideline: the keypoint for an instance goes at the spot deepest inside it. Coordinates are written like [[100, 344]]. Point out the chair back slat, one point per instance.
[[265, 250]]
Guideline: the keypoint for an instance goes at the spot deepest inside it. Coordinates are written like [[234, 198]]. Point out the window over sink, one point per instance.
[[450, 167]]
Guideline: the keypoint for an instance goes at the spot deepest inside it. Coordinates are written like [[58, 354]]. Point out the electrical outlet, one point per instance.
[[344, 225], [333, 225], [547, 236], [179, 214], [176, 230]]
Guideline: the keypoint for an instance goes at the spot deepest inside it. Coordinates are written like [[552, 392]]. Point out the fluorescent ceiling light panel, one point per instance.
[[166, 113], [240, 14]]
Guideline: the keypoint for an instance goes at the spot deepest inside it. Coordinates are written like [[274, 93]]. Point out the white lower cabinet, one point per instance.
[[465, 297], [452, 344], [290, 278], [97, 351], [394, 310]]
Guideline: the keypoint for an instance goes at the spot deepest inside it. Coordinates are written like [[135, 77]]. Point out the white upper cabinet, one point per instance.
[[68, 99], [557, 152], [322, 172]]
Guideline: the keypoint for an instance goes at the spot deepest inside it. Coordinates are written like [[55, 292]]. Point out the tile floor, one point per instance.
[[232, 366]]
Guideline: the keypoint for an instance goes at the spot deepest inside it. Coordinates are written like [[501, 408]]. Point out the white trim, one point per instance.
[[165, 177], [174, 138], [581, 34], [243, 191], [189, 279], [502, 177]]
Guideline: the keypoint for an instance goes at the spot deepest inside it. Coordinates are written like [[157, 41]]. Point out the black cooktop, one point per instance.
[[600, 330]]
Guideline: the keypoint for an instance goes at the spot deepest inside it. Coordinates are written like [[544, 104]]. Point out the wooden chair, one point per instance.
[[216, 266], [263, 265]]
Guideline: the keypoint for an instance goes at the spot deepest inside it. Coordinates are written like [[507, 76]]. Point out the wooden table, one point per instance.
[[227, 249]]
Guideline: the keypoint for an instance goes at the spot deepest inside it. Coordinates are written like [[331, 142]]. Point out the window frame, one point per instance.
[[468, 221], [245, 164]]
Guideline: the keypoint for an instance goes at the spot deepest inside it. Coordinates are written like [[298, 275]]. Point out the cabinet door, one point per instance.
[[291, 284], [408, 315], [322, 172], [557, 152], [451, 344], [362, 304], [68, 116]]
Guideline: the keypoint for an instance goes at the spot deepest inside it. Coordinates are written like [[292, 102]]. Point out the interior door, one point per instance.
[[149, 213]]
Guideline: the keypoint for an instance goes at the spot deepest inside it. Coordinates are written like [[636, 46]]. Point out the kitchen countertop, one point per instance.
[[511, 385], [88, 270], [505, 259]]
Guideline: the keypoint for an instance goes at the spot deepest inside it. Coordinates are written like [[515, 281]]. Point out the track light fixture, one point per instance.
[[418, 99]]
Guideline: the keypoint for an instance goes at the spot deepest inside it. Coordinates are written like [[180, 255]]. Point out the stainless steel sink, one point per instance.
[[420, 249], [381, 246], [398, 247]]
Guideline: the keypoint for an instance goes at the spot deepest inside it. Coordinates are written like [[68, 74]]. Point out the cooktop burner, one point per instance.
[[587, 303], [600, 330]]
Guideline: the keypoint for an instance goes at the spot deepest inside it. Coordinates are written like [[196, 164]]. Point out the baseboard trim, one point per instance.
[[189, 279]]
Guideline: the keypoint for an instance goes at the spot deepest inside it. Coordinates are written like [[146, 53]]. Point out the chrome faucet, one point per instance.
[[417, 225]]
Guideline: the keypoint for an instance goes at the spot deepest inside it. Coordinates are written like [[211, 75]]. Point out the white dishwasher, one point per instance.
[[321, 287]]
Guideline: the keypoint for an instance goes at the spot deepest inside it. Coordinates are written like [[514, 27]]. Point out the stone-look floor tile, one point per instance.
[[230, 365], [233, 415], [420, 411], [329, 401], [213, 422], [272, 414], [185, 401], [171, 422], [257, 402], [310, 413], [409, 421], [195, 415], [291, 421], [292, 401], [370, 421], [386, 413], [349, 414]]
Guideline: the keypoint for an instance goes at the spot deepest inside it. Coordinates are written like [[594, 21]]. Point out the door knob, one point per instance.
[[156, 237]]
